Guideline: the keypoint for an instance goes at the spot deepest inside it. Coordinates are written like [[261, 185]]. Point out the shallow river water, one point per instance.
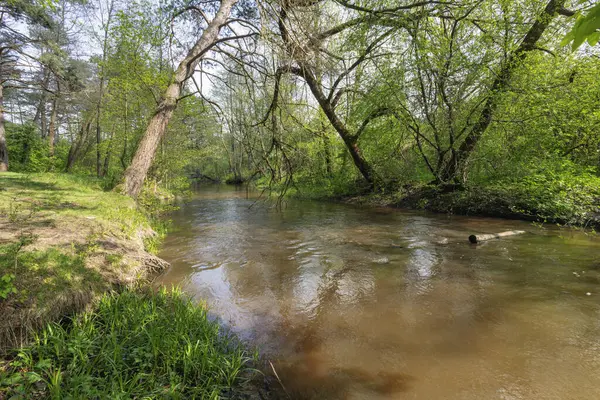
[[355, 303]]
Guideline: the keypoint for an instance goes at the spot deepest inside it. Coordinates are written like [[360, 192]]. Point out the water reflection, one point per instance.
[[384, 304]]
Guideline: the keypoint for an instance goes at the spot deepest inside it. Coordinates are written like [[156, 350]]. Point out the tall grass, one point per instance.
[[133, 345]]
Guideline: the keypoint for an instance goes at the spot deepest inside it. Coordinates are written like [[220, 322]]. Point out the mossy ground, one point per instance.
[[63, 242]]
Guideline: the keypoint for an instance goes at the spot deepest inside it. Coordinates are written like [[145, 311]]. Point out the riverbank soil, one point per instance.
[[64, 242]]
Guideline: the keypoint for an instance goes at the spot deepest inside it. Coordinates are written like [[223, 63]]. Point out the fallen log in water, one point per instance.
[[480, 238]]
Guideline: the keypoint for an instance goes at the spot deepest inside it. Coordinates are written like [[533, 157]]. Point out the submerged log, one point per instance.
[[480, 238]]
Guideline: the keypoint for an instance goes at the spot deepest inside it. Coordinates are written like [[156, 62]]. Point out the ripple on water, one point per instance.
[[440, 320]]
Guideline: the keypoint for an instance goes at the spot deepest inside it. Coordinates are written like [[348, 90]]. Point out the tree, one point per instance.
[[142, 160], [106, 27], [11, 43], [459, 158], [325, 72]]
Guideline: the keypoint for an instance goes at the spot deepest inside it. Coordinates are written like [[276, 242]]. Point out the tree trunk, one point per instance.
[[40, 113], [98, 140], [142, 160], [306, 72], [43, 118], [327, 151], [349, 139], [99, 105], [52, 127], [107, 157], [125, 133], [459, 159], [76, 145], [483, 237], [3, 148]]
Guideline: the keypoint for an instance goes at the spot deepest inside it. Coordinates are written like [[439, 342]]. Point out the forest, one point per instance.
[[493, 102], [138, 136]]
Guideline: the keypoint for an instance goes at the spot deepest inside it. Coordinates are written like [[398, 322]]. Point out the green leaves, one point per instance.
[[586, 27], [133, 345], [6, 286]]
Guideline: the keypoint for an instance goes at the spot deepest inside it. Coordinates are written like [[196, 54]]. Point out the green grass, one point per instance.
[[132, 345], [67, 197], [64, 241]]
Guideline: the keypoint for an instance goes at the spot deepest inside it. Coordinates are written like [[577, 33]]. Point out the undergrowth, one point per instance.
[[136, 344]]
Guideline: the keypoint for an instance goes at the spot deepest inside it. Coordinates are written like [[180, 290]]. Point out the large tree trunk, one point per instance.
[[3, 148], [459, 159], [142, 160]]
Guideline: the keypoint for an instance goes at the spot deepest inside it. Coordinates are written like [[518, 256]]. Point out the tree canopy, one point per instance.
[[327, 97]]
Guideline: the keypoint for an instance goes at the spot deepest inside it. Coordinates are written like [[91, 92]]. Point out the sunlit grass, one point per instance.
[[64, 241], [67, 196], [133, 345]]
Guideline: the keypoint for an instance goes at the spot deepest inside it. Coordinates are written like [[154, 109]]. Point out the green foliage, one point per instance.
[[564, 194], [28, 153], [7, 286], [132, 345], [586, 28], [426, 81]]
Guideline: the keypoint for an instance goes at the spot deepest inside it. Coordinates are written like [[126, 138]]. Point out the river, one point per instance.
[[378, 303]]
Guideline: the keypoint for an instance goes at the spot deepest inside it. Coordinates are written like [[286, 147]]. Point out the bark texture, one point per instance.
[[52, 127], [142, 160], [3, 148]]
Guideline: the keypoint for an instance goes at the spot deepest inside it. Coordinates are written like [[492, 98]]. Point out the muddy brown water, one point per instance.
[[355, 303]]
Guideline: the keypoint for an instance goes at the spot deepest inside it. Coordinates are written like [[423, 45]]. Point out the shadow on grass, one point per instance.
[[23, 183], [44, 275]]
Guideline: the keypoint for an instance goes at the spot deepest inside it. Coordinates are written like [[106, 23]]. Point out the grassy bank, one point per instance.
[[73, 326], [132, 345], [63, 242], [563, 204], [568, 197]]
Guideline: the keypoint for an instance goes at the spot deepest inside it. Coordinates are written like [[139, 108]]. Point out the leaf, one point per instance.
[[585, 27], [567, 39], [593, 38], [43, 364], [33, 377]]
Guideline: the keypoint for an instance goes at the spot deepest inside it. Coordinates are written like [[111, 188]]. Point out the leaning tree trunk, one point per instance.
[[3, 148], [305, 71], [459, 159], [350, 139], [142, 160]]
